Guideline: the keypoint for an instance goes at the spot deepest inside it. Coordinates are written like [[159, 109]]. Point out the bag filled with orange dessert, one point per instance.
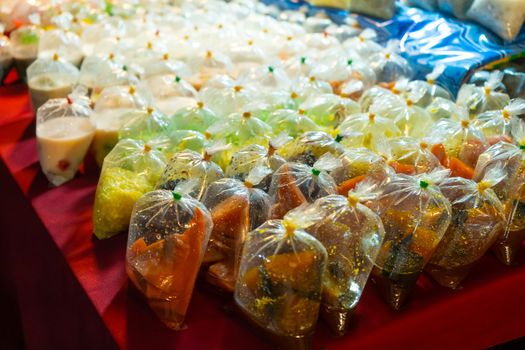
[[280, 282], [415, 215], [294, 184], [236, 208], [407, 155], [168, 235], [352, 235], [478, 219]]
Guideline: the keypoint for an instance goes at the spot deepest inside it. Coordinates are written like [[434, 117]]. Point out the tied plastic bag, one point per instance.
[[329, 109], [50, 78], [389, 65], [187, 165], [478, 219], [415, 215], [241, 129], [24, 48], [358, 164], [457, 8], [130, 170], [180, 140], [280, 279], [168, 235], [294, 184], [64, 132], [479, 99], [352, 235], [207, 65], [496, 125], [295, 123], [236, 208], [97, 73], [250, 157], [171, 93], [228, 99], [384, 9], [143, 125], [503, 17], [66, 44], [426, 92], [197, 117], [442, 108], [309, 147], [409, 156], [364, 44]]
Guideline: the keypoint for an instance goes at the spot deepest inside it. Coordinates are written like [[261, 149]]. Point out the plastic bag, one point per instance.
[[280, 279], [65, 44], [364, 44], [352, 235], [427, 91], [187, 165], [50, 78], [24, 48], [479, 99], [295, 123], [442, 108], [236, 208], [503, 17], [309, 147], [6, 59], [415, 215], [457, 8], [240, 129], [478, 219], [130, 170], [384, 9], [171, 93], [97, 73], [407, 155], [389, 65], [179, 140], [294, 184], [328, 109], [64, 132], [496, 125], [197, 117], [168, 235], [228, 99], [207, 65], [143, 125]]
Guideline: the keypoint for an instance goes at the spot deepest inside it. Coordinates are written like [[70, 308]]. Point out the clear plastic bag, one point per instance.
[[207, 65], [50, 78], [97, 73], [442, 108], [329, 109], [171, 93], [479, 99], [64, 132], [168, 235], [24, 47], [295, 123], [143, 125], [179, 140], [65, 44], [364, 44], [198, 117], [415, 215], [384, 9], [503, 17], [240, 129], [389, 65], [496, 125], [310, 146], [407, 155], [457, 8], [280, 279], [352, 235], [427, 91], [236, 208], [225, 100], [478, 219], [294, 184], [130, 170]]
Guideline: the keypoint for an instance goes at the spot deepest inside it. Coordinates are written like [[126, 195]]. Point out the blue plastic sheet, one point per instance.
[[428, 38]]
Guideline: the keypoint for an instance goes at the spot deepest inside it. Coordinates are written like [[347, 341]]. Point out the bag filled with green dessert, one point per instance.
[[511, 192], [295, 123], [294, 184], [328, 109], [280, 280], [496, 125], [179, 140], [236, 208], [489, 97], [310, 146], [130, 170], [415, 215], [478, 219], [352, 235], [143, 124], [168, 235], [230, 97], [197, 117], [186, 165]]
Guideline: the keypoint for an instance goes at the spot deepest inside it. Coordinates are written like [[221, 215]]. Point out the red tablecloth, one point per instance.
[[73, 292]]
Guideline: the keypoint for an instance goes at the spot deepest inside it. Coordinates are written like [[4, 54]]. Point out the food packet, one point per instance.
[[496, 125], [130, 170], [329, 109], [64, 132], [240, 129], [228, 99], [294, 184], [441, 108], [180, 140], [429, 5], [207, 65], [236, 209], [143, 124], [97, 73], [187, 165], [252, 156], [478, 219], [295, 123], [503, 17], [479, 99], [168, 235], [24, 48], [171, 93], [281, 277], [384, 9], [162, 65], [415, 215], [50, 78], [197, 117], [65, 44], [458, 8], [366, 130], [389, 65], [407, 155], [364, 44], [358, 164], [6, 58], [268, 78], [457, 145], [310, 146], [427, 91], [352, 235]]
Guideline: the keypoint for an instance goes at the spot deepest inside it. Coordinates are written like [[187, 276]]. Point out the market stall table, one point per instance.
[[73, 291]]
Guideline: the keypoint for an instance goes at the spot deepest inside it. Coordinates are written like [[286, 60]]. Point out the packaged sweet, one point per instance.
[[441, 108], [171, 93], [503, 17], [429, 5], [457, 8], [236, 209], [294, 184], [306, 87], [6, 58], [24, 48], [496, 125], [131, 169], [352, 235], [196, 117], [50, 78], [389, 65], [64, 132], [384, 9], [427, 91], [310, 146], [162, 65], [168, 235], [270, 77], [410, 156], [280, 280], [364, 44], [295, 123], [478, 219], [111, 105], [97, 73], [329, 109], [143, 124], [179, 140], [186, 165], [479, 99], [64, 43], [207, 65], [240, 129], [415, 215]]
